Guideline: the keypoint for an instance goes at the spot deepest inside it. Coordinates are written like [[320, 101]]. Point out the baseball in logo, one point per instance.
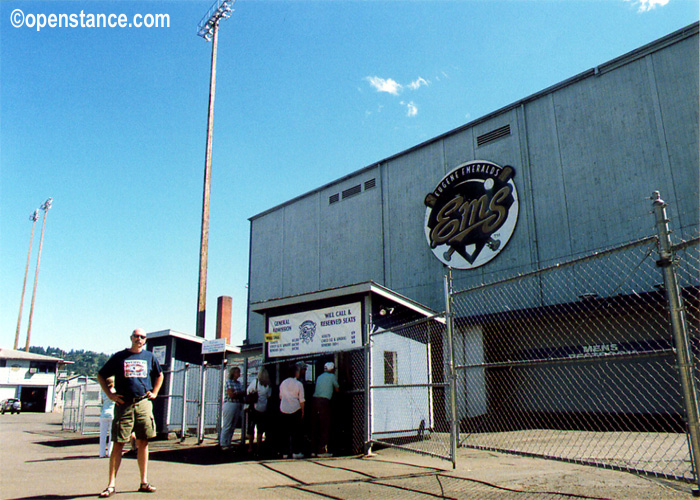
[[471, 214]]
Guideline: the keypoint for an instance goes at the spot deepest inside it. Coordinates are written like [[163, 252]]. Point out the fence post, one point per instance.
[[679, 329], [222, 397], [83, 402], [368, 385], [202, 403], [451, 360], [183, 428]]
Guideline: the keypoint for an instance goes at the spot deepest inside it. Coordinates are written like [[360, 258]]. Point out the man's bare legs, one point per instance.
[[142, 458], [115, 460]]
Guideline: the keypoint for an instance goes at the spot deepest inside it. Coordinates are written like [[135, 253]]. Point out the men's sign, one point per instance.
[[471, 214], [322, 330]]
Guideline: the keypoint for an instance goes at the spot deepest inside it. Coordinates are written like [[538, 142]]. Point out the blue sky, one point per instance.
[[111, 123]]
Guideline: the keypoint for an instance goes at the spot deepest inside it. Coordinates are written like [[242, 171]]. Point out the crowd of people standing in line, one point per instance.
[[284, 430]]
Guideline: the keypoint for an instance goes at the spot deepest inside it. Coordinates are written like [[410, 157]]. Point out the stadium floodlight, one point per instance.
[[221, 9], [33, 218], [45, 207], [208, 29]]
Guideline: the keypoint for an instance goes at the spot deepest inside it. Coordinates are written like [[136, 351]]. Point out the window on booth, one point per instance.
[[390, 373]]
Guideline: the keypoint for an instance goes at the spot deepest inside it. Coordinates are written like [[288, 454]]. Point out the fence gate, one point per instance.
[[82, 405], [408, 402], [182, 410], [579, 361]]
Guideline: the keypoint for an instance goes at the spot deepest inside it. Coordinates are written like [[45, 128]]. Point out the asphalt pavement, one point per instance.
[[39, 460]]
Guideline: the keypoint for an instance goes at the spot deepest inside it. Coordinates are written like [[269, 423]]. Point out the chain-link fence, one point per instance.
[[181, 408], [578, 362], [81, 408], [407, 405]]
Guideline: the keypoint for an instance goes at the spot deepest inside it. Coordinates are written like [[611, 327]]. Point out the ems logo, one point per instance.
[[471, 214], [307, 330]]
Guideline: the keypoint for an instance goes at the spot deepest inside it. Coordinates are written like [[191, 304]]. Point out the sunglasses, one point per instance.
[[139, 337]]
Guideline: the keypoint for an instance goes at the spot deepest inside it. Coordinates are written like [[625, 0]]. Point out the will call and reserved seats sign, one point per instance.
[[329, 329]]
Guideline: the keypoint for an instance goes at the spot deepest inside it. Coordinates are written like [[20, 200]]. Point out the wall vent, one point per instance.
[[352, 191], [370, 184], [493, 135], [333, 198]]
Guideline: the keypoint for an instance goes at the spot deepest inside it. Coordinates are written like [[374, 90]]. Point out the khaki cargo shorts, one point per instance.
[[136, 417]]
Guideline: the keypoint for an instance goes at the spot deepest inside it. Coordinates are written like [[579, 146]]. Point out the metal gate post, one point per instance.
[[680, 333], [202, 403], [183, 427], [222, 396], [452, 374], [368, 385], [83, 404]]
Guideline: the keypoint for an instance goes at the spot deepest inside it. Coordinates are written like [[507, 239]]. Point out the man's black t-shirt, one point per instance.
[[133, 373]]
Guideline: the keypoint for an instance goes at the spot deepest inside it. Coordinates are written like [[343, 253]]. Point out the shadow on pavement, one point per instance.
[[55, 497], [207, 455], [59, 459], [60, 443]]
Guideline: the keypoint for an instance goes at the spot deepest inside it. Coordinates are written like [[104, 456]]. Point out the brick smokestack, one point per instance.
[[223, 318]]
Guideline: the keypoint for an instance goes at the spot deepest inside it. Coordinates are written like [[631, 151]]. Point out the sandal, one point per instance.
[[108, 492], [147, 488]]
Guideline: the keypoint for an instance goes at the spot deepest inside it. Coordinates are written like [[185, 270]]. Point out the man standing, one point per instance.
[[233, 407], [326, 385], [137, 381]]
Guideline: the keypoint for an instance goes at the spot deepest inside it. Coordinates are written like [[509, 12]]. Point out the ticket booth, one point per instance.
[[333, 325]]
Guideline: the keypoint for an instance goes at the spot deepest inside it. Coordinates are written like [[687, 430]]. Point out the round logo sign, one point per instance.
[[471, 214]]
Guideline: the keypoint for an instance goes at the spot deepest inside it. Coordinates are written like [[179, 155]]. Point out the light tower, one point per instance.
[[45, 207], [33, 218], [208, 29]]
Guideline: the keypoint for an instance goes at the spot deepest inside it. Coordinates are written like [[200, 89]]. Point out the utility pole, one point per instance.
[[208, 29], [45, 207], [32, 218]]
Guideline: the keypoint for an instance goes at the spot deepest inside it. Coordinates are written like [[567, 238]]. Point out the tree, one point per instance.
[[84, 362]]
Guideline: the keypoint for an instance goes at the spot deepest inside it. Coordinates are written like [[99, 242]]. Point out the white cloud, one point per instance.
[[392, 87], [415, 85], [411, 109], [382, 85], [647, 5]]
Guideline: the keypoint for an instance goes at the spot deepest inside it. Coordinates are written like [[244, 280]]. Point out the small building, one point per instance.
[[181, 355], [333, 325], [29, 377]]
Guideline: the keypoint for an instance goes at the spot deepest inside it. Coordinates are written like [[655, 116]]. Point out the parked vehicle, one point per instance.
[[12, 405]]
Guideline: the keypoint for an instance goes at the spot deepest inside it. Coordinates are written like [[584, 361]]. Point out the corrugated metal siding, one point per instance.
[[586, 153]]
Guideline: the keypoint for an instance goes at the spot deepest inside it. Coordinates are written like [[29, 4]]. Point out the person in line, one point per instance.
[[137, 380], [292, 413], [257, 416], [326, 385], [106, 417], [233, 407]]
